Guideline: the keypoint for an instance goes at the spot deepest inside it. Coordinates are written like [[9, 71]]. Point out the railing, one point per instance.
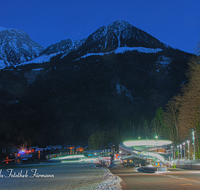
[[186, 162]]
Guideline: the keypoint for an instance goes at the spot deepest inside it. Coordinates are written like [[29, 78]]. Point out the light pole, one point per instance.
[[193, 138], [178, 152], [184, 149], [172, 156], [147, 146], [188, 142], [181, 150]]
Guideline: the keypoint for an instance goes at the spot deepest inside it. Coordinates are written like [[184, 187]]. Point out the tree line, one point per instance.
[[183, 110]]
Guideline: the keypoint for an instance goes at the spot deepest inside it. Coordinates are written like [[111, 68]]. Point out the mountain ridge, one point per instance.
[[105, 39]]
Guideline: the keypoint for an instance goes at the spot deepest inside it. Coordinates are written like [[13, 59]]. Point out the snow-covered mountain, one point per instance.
[[63, 47], [16, 47], [116, 35], [122, 34]]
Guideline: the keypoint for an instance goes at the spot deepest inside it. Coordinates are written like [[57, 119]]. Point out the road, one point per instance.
[[171, 180]]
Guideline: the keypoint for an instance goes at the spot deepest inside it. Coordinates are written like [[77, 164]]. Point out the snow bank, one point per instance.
[[111, 181]]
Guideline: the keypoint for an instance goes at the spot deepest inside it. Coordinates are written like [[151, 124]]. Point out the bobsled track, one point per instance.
[[144, 149]]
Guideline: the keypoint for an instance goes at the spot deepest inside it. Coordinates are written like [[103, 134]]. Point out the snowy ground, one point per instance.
[[110, 181], [66, 176]]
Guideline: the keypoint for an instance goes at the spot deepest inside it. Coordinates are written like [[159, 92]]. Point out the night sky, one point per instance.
[[173, 22]]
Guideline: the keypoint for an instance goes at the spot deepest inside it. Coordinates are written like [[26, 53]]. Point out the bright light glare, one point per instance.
[[82, 160], [147, 142], [22, 151], [71, 156]]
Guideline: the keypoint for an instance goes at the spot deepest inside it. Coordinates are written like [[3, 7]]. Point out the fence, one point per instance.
[[188, 164]]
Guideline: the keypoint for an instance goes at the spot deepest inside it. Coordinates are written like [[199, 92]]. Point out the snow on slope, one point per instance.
[[164, 61], [139, 49], [41, 59], [124, 49], [46, 58], [120, 89]]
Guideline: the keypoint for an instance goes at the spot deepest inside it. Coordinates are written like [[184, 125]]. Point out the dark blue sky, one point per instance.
[[174, 22]]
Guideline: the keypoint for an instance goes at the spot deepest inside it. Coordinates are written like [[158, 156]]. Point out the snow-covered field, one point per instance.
[[66, 176]]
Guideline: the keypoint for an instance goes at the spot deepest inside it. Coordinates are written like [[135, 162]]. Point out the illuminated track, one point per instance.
[[136, 148]]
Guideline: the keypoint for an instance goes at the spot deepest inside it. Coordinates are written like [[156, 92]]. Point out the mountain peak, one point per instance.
[[118, 34], [16, 47], [121, 23]]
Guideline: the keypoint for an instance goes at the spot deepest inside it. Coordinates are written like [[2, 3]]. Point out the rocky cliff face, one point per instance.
[[16, 47]]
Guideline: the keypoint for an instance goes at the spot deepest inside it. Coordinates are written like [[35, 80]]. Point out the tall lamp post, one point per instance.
[[178, 152], [184, 149], [147, 146], [172, 156], [181, 150], [193, 138], [188, 142]]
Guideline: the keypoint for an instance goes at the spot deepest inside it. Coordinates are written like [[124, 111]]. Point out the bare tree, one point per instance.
[[190, 102], [172, 118]]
